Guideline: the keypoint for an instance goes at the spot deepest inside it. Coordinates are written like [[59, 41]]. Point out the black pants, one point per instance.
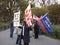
[[18, 41], [26, 43], [36, 35]]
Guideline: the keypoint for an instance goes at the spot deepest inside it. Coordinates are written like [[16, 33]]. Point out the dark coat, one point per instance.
[[36, 28], [26, 33], [11, 26]]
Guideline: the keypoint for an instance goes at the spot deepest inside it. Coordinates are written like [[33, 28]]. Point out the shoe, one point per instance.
[[16, 44]]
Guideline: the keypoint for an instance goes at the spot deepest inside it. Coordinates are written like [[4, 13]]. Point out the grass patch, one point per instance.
[[56, 32], [56, 27], [3, 24]]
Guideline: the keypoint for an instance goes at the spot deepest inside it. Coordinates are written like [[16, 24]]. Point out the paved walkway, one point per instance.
[[43, 40]]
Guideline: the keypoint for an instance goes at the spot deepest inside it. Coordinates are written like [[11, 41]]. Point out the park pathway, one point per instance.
[[43, 40]]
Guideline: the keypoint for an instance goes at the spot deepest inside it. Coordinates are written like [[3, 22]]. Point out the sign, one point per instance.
[[16, 18]]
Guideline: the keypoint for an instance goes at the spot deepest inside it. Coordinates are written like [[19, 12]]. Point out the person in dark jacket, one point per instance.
[[11, 29], [26, 37], [18, 40], [36, 29]]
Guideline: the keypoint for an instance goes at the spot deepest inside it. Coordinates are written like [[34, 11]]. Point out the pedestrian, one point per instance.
[[11, 29], [19, 31], [36, 30], [26, 36]]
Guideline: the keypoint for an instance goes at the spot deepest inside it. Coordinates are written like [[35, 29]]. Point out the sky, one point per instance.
[[58, 1]]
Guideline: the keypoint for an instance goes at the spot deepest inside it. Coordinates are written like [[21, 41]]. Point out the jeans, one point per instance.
[[11, 32], [18, 41]]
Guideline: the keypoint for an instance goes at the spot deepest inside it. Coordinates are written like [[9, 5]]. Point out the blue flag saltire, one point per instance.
[[45, 20]]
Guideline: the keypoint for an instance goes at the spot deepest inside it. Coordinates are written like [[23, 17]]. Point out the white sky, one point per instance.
[[58, 1]]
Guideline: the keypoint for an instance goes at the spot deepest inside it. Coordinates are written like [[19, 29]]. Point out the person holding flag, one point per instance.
[[27, 25], [39, 23], [36, 29]]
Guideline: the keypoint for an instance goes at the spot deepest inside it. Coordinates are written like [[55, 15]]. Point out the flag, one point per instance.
[[35, 17], [41, 24], [28, 15], [45, 20]]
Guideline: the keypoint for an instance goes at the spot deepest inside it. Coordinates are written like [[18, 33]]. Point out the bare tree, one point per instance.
[[48, 2], [55, 1], [43, 3]]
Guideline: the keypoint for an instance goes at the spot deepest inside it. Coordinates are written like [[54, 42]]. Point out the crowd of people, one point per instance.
[[23, 32]]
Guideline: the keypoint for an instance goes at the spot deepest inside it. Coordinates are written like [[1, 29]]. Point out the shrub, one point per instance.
[[56, 32], [39, 11], [3, 25], [54, 13]]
